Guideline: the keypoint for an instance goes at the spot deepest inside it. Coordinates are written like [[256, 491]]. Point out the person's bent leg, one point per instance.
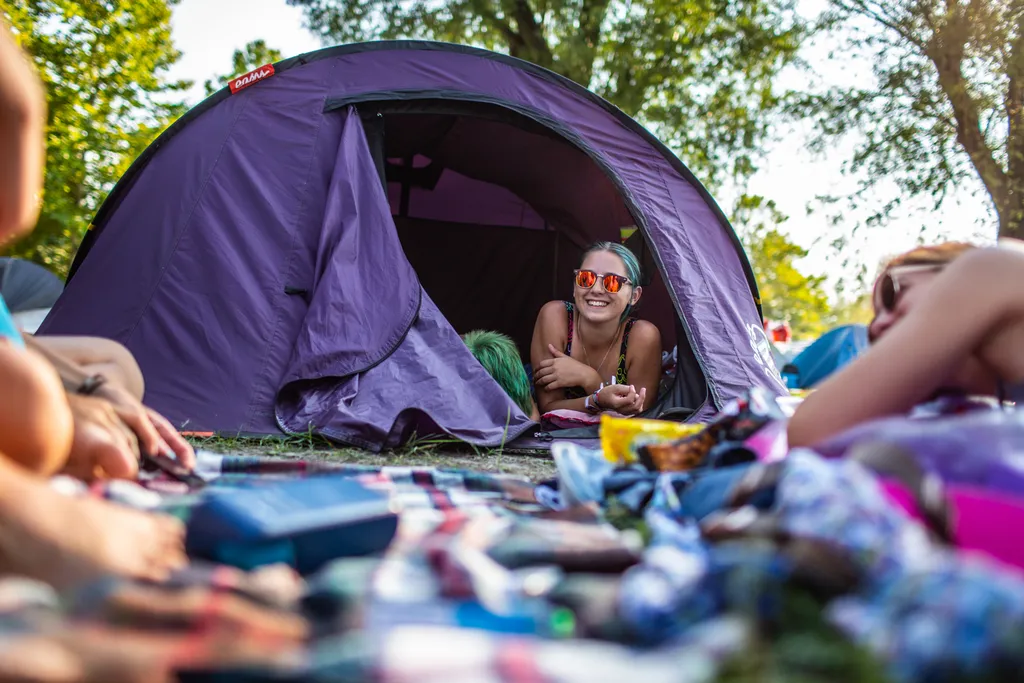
[[36, 427], [96, 355], [67, 541]]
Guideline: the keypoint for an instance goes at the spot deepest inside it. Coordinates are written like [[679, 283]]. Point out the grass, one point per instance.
[[418, 452]]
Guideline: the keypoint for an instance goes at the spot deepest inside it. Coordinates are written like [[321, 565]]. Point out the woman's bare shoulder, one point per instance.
[[644, 341], [645, 333], [553, 311]]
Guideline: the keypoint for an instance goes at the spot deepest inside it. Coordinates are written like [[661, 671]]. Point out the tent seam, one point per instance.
[[187, 224], [713, 389], [276, 329]]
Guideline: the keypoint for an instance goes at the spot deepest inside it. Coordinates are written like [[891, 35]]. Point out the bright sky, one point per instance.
[[209, 31]]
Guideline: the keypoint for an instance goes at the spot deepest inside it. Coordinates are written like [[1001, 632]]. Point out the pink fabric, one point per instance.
[[570, 419], [771, 442], [984, 521]]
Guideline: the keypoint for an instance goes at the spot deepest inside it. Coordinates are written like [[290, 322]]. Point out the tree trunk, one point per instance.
[[1011, 213], [946, 49]]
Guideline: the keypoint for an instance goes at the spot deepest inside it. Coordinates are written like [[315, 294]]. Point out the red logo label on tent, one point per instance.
[[245, 80]]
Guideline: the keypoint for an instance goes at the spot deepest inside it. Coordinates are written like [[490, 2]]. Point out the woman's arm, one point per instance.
[[965, 304], [552, 328], [643, 358], [549, 335], [77, 358]]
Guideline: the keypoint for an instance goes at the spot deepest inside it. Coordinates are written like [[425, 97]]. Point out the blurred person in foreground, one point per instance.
[[44, 427], [947, 317], [104, 385]]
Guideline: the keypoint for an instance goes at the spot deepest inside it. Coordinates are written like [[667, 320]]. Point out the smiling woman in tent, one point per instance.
[[590, 354], [949, 317]]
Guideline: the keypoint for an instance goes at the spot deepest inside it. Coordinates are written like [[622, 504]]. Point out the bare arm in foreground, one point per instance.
[[22, 116], [973, 308]]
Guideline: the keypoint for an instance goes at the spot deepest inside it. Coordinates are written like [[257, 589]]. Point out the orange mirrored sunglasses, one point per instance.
[[585, 279]]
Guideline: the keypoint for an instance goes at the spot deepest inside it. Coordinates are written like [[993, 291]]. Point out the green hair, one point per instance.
[[629, 259], [500, 357]]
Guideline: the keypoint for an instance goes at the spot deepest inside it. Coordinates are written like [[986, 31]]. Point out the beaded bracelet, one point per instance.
[[591, 403]]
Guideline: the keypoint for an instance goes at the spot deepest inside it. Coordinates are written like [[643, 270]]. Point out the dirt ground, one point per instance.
[[535, 467]]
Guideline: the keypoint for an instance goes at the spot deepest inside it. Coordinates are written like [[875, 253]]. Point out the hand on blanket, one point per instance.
[[110, 432], [622, 398], [155, 434], [562, 371]]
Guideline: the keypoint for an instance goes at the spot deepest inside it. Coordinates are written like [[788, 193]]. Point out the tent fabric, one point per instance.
[[365, 295], [827, 354], [250, 260], [27, 286], [394, 371]]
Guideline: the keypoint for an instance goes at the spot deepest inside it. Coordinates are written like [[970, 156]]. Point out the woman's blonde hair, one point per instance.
[[937, 255], [934, 255]]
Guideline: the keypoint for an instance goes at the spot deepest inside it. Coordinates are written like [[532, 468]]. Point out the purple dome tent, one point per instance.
[[253, 261]]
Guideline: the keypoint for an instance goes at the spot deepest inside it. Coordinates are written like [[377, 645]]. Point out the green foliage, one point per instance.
[[945, 105], [803, 647], [102, 64], [700, 73], [786, 293], [857, 311], [252, 56]]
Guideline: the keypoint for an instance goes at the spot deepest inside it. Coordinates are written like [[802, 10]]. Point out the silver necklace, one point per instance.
[[586, 357]]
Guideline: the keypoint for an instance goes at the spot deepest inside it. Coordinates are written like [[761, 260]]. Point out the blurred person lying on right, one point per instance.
[[947, 317]]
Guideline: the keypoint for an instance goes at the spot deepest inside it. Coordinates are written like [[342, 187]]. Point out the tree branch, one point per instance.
[[532, 33], [591, 17], [486, 12], [1015, 107], [946, 51], [584, 44], [876, 14]]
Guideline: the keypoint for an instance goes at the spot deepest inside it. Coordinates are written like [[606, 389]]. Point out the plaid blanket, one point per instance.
[[493, 578], [461, 594]]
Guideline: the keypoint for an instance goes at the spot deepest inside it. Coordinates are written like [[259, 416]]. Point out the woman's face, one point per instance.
[[596, 303], [894, 299]]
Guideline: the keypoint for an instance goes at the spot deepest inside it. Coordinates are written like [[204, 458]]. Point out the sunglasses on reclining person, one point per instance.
[[585, 279], [887, 295]]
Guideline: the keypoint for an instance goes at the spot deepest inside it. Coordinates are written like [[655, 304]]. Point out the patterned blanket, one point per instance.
[[801, 567]]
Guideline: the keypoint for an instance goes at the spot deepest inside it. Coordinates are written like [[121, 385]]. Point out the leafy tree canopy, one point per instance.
[[943, 107], [700, 73], [787, 294], [103, 67]]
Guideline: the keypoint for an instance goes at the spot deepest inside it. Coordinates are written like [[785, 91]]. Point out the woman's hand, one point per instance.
[[562, 372], [103, 446], [110, 431], [156, 435], [622, 398]]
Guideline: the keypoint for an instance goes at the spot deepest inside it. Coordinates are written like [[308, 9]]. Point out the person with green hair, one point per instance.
[[571, 352], [500, 357]]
